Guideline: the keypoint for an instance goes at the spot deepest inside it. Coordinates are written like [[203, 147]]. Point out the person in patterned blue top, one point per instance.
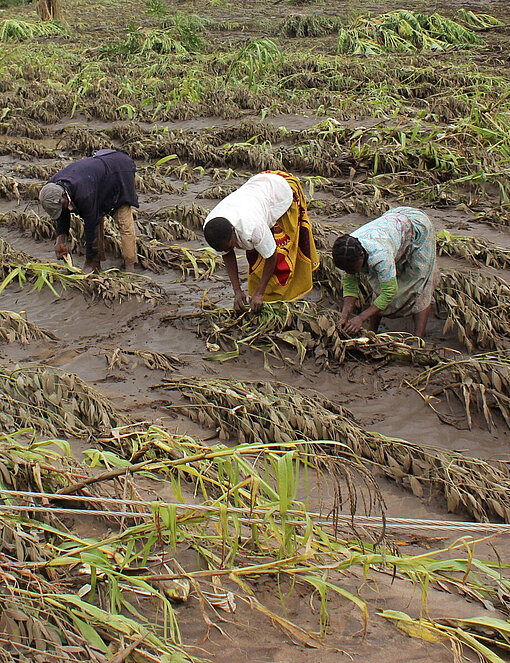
[[397, 252]]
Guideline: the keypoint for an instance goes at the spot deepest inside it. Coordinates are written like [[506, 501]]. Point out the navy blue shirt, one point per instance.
[[96, 186]]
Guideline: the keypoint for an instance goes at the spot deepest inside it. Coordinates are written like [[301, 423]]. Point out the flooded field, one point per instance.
[[209, 463]]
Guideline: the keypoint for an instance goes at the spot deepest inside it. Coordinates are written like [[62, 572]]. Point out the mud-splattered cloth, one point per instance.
[[96, 186], [296, 253], [401, 245]]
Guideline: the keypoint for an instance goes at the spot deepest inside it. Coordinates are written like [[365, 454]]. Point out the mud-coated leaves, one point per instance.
[[477, 308], [481, 384], [16, 328], [109, 286], [54, 403], [310, 330], [275, 412]]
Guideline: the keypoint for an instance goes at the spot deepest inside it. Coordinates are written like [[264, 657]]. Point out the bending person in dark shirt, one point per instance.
[[92, 188]]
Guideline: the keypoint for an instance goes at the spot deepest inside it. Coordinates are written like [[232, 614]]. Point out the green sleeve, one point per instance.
[[388, 292], [350, 285]]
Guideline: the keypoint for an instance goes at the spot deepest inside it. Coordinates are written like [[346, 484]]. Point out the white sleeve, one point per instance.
[[263, 241]]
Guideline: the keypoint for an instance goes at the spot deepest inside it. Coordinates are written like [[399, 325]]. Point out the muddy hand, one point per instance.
[[256, 302], [343, 321], [239, 302], [353, 326], [60, 250]]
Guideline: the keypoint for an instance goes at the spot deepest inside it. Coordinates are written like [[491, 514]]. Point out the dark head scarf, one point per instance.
[[347, 251]]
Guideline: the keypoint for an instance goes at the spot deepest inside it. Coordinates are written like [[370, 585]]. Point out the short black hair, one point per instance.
[[218, 232], [347, 250]]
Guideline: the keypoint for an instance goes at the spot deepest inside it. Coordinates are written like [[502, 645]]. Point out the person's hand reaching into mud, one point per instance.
[[240, 302], [60, 247]]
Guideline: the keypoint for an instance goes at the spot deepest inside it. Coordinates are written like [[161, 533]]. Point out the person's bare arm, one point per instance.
[[258, 296], [349, 303], [354, 325], [230, 261]]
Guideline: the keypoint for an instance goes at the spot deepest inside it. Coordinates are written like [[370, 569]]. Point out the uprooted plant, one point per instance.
[[14, 327], [161, 361], [310, 330], [53, 402], [109, 286], [481, 383], [76, 599], [269, 413], [476, 250], [476, 307]]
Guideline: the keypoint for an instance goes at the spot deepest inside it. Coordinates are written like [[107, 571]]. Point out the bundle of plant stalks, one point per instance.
[[39, 171], [8, 255], [42, 227], [477, 250], [310, 330], [264, 412], [483, 636], [497, 215], [14, 328], [27, 464], [365, 200], [149, 181], [153, 254], [402, 31], [328, 276], [477, 307], [481, 383], [15, 30], [307, 25], [109, 286], [61, 604], [23, 126], [34, 465], [161, 361], [191, 216], [477, 21], [53, 402], [79, 139], [73, 599], [217, 192], [78, 592], [26, 149], [165, 227], [9, 188]]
